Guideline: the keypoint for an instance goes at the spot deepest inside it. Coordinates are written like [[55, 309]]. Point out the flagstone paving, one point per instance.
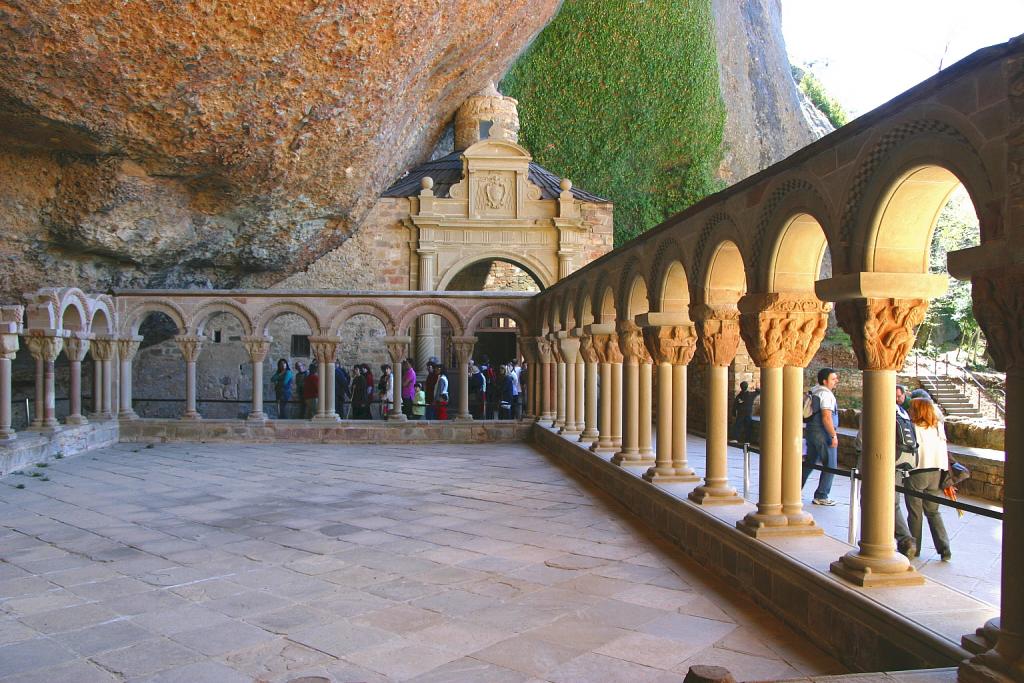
[[203, 562]]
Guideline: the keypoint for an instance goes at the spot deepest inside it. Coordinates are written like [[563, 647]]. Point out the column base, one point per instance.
[[761, 525], [623, 459], [76, 420], [893, 571], [606, 447], [7, 437], [590, 435], [393, 417], [128, 416], [667, 475], [569, 431], [686, 474], [988, 667], [325, 419], [715, 495], [799, 518], [256, 417], [463, 418], [983, 639], [191, 417]]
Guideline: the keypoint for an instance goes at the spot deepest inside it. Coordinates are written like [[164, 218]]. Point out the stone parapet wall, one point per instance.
[[40, 447], [825, 609], [296, 431]]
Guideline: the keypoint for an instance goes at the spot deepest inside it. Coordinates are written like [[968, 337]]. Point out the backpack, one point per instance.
[[808, 410], [906, 444]]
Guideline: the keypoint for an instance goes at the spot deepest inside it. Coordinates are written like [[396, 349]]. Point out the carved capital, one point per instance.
[[607, 348], [190, 347], [569, 348], [718, 329], [587, 350], [544, 352], [999, 308], [76, 348], [464, 348], [8, 346], [257, 348], [882, 330], [631, 341], [782, 329], [674, 344], [556, 349], [127, 348], [102, 348], [44, 348]]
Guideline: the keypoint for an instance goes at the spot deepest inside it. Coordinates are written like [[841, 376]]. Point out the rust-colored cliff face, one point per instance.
[[221, 141]]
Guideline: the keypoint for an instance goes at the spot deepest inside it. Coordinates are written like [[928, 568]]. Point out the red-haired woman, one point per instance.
[[932, 458]]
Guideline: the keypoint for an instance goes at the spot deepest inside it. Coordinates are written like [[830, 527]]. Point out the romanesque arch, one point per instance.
[[202, 316], [373, 310], [268, 314]]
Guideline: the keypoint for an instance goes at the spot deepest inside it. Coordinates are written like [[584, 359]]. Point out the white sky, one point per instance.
[[868, 51]]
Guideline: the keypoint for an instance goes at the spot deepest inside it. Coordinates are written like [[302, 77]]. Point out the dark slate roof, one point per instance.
[[447, 171]]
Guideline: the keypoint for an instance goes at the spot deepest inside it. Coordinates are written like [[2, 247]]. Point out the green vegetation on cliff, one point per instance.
[[819, 97], [623, 99]]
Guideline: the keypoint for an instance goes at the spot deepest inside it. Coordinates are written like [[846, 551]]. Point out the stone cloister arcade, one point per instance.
[[609, 346]]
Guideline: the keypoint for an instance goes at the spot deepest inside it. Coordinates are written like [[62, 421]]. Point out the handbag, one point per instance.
[[954, 475]]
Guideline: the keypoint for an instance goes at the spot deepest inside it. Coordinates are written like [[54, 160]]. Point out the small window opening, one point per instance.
[[300, 346], [485, 129], [216, 337]]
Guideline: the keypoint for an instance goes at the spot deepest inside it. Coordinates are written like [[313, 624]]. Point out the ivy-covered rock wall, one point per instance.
[[622, 98], [656, 104]]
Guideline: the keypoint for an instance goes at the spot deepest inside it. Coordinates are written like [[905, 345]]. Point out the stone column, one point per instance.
[[617, 409], [103, 350], [528, 347], [45, 350], [76, 347], [570, 349], [806, 321], [606, 346], [589, 356], [559, 370], [464, 353], [97, 385], [8, 350], [999, 307], [257, 348], [680, 462], [580, 393], [719, 334], [882, 331], [545, 357], [645, 415], [763, 328], [671, 341], [631, 341], [398, 350], [126, 350], [324, 348], [190, 348]]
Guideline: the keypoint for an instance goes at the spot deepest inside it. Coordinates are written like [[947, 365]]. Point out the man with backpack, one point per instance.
[[821, 434]]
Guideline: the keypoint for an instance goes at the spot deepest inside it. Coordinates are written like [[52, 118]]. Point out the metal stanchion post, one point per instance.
[[28, 413], [854, 506], [746, 469]]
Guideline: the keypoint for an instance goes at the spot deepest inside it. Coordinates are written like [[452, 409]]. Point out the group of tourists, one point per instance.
[[921, 458], [494, 391]]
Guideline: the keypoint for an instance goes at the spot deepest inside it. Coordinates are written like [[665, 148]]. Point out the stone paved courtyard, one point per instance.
[[193, 563]]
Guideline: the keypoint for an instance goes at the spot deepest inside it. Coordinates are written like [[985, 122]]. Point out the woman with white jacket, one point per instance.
[[932, 459]]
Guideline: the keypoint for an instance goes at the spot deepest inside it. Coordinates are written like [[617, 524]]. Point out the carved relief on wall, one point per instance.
[[882, 329], [494, 193]]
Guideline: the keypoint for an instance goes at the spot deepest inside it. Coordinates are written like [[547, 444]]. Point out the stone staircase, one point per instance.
[[948, 395]]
